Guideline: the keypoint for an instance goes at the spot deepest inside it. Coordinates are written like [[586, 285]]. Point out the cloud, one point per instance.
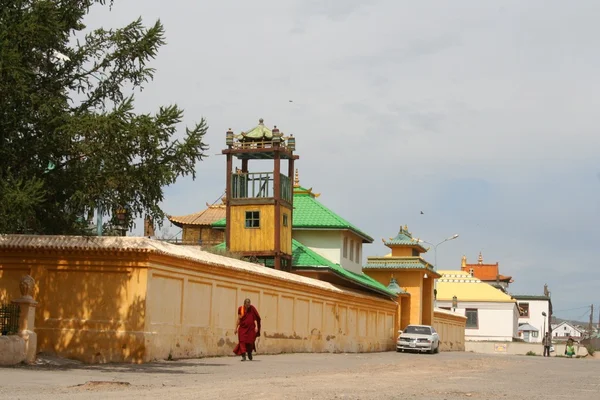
[[484, 116]]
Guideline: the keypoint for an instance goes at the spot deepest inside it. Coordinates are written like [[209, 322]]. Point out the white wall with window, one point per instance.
[[487, 320], [340, 247], [531, 310], [565, 330]]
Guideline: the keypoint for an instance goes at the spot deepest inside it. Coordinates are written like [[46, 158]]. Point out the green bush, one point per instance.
[[531, 353]]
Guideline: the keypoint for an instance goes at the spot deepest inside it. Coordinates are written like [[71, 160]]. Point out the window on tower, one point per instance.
[[252, 219], [285, 219]]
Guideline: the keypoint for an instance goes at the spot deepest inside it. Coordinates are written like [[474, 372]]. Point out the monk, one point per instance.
[[247, 329]]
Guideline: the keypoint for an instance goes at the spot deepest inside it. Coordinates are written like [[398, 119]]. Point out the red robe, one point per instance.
[[246, 334]]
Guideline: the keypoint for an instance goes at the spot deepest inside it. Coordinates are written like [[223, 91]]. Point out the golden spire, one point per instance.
[[480, 259], [464, 261], [296, 179]]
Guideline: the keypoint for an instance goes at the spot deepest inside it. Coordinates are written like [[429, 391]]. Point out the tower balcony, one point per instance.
[[259, 185]]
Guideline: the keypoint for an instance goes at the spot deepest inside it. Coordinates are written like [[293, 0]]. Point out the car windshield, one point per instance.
[[421, 330]]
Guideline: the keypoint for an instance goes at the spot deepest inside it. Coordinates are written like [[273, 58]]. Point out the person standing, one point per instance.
[[247, 329], [547, 341]]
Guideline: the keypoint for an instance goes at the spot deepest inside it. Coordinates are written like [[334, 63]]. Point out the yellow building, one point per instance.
[[411, 272], [491, 314], [197, 227]]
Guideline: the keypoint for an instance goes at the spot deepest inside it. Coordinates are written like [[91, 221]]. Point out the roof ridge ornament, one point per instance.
[[296, 179], [480, 258]]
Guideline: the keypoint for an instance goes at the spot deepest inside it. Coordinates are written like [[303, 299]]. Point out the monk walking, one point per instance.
[[247, 329]]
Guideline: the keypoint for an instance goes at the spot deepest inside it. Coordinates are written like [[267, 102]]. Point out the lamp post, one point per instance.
[[544, 326], [455, 236], [454, 303]]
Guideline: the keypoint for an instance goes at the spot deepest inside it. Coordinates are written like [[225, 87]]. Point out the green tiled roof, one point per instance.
[[259, 132], [305, 258], [530, 297], [397, 263], [222, 223], [404, 238], [309, 213]]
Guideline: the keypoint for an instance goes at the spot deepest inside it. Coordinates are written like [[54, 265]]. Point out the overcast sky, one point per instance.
[[483, 115]]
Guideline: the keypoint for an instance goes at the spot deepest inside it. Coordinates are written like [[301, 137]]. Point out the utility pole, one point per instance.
[[591, 320]]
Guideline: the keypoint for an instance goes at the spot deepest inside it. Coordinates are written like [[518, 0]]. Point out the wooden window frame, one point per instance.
[[525, 315], [285, 219], [477, 316], [255, 218]]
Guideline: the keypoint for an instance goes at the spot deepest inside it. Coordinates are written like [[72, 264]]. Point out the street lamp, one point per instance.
[[544, 326], [455, 236], [454, 303]]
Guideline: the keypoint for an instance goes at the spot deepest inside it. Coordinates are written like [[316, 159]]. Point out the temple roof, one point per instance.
[[404, 238], [303, 258], [205, 217], [468, 288], [485, 272], [259, 133], [398, 263]]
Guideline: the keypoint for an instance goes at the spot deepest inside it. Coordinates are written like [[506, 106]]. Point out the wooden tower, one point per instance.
[[259, 205]]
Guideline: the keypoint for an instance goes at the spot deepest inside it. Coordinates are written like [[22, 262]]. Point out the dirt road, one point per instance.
[[315, 376]]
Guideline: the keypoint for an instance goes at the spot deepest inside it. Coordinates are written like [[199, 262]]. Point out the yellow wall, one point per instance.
[[451, 329], [421, 294], [112, 306], [286, 231], [252, 239], [404, 252], [90, 308]]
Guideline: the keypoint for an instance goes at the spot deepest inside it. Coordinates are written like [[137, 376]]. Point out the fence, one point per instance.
[[9, 319]]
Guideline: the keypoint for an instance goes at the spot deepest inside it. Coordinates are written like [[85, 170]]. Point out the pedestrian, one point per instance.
[[247, 329], [570, 348], [547, 344]]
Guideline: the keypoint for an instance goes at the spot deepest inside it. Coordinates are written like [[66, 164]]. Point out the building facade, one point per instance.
[[534, 317], [491, 314]]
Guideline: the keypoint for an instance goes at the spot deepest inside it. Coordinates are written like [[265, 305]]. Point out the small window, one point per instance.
[[345, 247], [358, 248], [356, 252], [285, 219], [351, 250], [534, 334], [252, 219], [524, 310], [472, 318]]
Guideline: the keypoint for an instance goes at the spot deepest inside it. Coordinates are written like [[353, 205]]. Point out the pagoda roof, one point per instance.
[[387, 262], [404, 238], [259, 133], [205, 217], [303, 258]]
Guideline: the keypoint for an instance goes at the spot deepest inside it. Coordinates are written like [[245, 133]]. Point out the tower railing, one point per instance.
[[259, 185]]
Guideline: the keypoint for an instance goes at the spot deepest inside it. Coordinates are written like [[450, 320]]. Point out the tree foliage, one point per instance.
[[71, 141]]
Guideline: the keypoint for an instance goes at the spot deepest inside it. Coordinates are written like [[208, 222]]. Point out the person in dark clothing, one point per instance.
[[547, 341]]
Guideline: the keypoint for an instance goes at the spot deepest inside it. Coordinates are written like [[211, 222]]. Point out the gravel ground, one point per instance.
[[313, 376]]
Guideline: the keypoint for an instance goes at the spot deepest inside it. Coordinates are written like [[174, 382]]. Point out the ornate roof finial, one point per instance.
[[480, 259], [296, 179], [261, 121], [463, 264], [405, 228]]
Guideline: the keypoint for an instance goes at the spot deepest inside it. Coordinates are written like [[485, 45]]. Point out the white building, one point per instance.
[[564, 330], [534, 311], [491, 314]]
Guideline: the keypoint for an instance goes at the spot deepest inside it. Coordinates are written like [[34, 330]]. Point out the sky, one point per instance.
[[482, 115]]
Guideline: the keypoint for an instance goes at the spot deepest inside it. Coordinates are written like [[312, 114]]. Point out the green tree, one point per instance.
[[70, 139]]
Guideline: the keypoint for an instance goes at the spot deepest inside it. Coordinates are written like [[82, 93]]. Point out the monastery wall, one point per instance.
[[137, 300], [451, 329]]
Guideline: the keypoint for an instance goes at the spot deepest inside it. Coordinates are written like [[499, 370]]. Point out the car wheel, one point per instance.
[[437, 349]]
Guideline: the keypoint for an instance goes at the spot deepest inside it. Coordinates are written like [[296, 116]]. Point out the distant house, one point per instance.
[[491, 314], [488, 273], [531, 312], [529, 333], [564, 330]]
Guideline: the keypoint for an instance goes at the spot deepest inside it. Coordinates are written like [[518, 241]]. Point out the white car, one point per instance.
[[418, 338]]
